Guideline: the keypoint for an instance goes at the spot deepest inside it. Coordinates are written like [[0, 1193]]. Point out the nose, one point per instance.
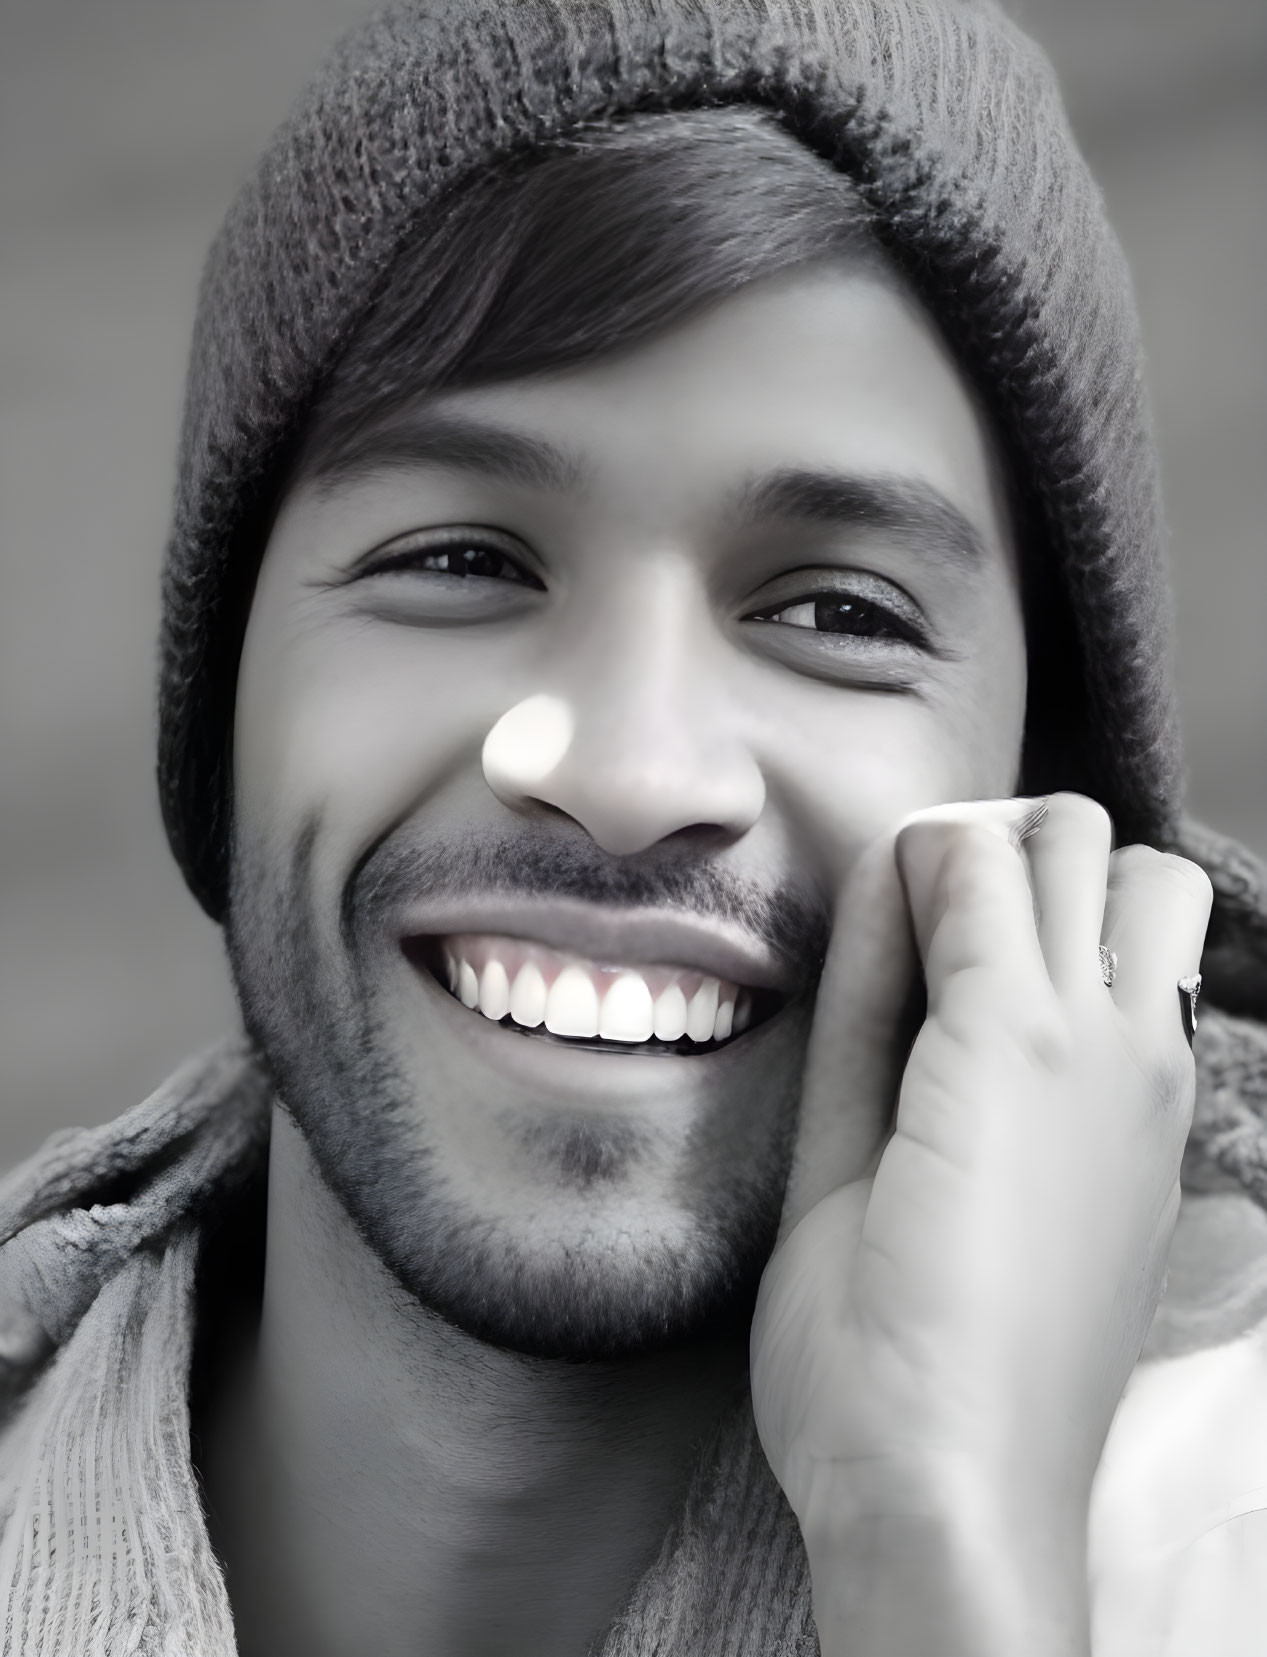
[[637, 738]]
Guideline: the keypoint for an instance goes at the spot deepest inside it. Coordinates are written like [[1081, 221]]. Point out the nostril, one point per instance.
[[702, 837]]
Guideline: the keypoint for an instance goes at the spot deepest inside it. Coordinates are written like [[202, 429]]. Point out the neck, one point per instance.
[[381, 1481]]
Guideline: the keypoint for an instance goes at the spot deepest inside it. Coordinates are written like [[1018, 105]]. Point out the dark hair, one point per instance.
[[602, 239]]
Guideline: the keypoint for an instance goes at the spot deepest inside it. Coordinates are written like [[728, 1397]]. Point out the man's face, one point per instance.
[[762, 572]]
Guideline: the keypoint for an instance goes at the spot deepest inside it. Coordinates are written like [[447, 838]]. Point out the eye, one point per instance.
[[463, 556], [854, 614], [448, 576]]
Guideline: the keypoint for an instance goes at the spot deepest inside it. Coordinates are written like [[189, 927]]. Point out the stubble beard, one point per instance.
[[310, 1009]]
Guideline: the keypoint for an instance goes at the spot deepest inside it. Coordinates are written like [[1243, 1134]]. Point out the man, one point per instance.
[[662, 621]]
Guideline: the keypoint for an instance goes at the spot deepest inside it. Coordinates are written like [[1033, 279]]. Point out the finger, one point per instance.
[[970, 900], [1069, 867], [860, 1034], [1156, 911]]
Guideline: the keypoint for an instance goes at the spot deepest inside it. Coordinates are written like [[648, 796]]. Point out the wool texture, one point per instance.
[[950, 123]]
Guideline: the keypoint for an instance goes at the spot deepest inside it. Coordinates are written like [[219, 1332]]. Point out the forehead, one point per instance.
[[836, 368]]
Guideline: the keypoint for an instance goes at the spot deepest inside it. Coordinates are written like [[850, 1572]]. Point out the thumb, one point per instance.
[[868, 1008]]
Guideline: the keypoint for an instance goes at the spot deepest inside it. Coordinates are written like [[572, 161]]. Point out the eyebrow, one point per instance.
[[436, 437], [910, 509], [905, 507]]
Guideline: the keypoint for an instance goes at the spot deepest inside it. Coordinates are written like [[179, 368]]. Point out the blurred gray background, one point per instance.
[[125, 126]]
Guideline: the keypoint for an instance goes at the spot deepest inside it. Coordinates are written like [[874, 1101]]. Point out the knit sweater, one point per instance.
[[105, 1548]]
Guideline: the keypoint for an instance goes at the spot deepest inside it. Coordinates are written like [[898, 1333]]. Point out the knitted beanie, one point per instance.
[[949, 122]]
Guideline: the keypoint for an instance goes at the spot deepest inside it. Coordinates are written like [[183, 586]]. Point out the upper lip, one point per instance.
[[617, 937]]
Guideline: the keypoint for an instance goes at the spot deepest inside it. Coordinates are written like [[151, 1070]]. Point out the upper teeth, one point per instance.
[[578, 998]]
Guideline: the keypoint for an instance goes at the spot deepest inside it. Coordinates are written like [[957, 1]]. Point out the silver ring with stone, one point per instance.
[[1108, 966], [1189, 990]]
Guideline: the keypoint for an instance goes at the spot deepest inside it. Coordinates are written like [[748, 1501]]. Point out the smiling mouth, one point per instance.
[[534, 990]]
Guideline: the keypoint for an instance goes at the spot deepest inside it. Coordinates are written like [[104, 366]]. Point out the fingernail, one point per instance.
[[1027, 826]]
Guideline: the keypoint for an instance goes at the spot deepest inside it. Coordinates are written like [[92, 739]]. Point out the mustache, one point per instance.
[[791, 918]]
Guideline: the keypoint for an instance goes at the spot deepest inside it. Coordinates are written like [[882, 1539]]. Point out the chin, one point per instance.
[[606, 1298], [581, 1247]]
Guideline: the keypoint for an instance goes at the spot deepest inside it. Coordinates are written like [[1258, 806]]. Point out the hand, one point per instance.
[[940, 1343]]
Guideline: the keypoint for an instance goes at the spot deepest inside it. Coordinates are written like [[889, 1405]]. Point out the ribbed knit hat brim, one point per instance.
[[950, 122]]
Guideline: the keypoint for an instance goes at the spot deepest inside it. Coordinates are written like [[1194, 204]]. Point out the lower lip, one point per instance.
[[530, 1058]]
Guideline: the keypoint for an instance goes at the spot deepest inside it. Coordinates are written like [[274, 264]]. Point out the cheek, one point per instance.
[[851, 765], [354, 725]]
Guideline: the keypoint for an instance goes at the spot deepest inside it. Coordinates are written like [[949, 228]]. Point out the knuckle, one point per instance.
[[1181, 880], [912, 834], [1158, 872], [1083, 814], [1187, 877], [1167, 871], [1132, 860]]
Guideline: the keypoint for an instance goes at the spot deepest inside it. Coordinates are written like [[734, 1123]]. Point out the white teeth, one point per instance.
[[627, 1011], [576, 1005], [528, 997], [670, 1014], [701, 1015], [723, 1021], [494, 991], [572, 1004]]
